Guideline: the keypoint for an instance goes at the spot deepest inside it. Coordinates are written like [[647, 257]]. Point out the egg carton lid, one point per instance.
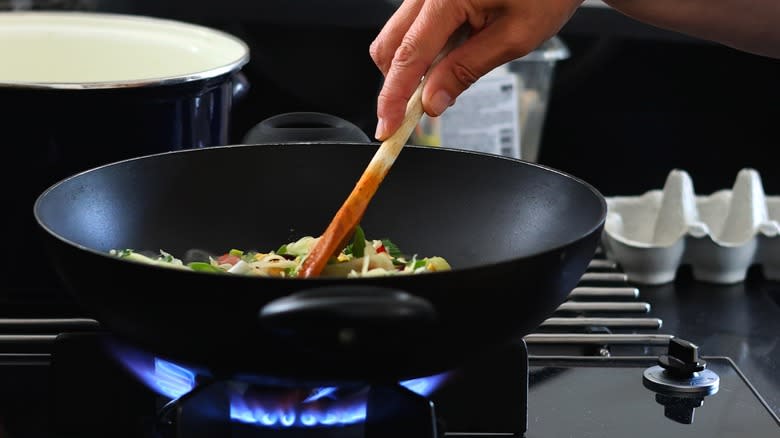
[[720, 235]]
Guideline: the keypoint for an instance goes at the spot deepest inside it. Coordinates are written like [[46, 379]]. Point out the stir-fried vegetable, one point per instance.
[[360, 258]]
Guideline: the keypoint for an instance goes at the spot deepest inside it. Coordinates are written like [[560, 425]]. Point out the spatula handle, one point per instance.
[[351, 212]]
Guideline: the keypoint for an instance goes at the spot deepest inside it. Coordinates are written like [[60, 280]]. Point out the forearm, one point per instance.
[[749, 25]]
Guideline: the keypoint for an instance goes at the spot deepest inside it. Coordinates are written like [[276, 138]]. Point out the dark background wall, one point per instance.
[[632, 102]]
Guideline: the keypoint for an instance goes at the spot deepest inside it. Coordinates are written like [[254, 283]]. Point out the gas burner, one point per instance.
[[381, 411], [199, 405], [190, 389]]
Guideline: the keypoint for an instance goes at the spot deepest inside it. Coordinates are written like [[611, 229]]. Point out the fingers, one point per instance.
[[424, 39], [383, 47], [494, 45]]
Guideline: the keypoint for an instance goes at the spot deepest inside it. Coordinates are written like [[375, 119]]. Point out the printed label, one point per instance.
[[485, 118]]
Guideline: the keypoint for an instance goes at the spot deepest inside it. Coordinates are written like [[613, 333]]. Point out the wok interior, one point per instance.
[[470, 208]]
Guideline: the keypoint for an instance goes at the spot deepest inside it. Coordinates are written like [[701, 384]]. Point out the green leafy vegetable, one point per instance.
[[391, 248], [124, 253], [361, 257], [204, 267], [359, 243]]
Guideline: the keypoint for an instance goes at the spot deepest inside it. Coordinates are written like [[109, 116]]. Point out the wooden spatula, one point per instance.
[[351, 212]]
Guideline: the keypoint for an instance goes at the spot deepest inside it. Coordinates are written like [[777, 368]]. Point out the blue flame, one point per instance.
[[425, 386], [165, 378], [321, 393], [173, 380], [323, 407], [302, 416], [311, 414]]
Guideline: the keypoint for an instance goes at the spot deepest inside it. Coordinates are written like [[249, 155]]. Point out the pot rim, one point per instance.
[[163, 80]]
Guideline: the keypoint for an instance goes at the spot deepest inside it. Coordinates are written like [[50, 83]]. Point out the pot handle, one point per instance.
[[240, 86], [348, 315], [305, 127]]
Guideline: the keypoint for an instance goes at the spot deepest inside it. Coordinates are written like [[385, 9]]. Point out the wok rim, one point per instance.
[[313, 280]]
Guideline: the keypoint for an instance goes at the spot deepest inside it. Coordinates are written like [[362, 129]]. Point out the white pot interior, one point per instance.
[[83, 49]]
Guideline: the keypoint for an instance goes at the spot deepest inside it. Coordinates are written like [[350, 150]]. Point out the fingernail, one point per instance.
[[440, 101], [380, 129]]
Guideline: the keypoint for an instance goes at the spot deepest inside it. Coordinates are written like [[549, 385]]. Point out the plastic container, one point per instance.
[[503, 112]]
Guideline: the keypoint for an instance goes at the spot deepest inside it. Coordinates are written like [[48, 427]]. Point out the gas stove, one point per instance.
[[686, 359]]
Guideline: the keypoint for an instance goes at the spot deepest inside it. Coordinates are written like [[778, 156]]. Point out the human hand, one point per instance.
[[501, 30]]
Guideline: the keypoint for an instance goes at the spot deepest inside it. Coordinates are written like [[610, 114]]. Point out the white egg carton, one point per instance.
[[720, 236]]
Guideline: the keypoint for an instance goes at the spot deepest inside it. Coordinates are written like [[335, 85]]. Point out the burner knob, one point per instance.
[[682, 358], [681, 372], [679, 409], [681, 380]]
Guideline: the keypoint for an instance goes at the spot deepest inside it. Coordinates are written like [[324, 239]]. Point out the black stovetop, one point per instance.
[[567, 396], [573, 390]]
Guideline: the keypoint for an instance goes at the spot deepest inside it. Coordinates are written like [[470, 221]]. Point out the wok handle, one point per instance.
[[348, 314], [305, 127]]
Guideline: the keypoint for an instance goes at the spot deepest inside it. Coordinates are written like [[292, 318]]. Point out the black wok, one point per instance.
[[518, 235]]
